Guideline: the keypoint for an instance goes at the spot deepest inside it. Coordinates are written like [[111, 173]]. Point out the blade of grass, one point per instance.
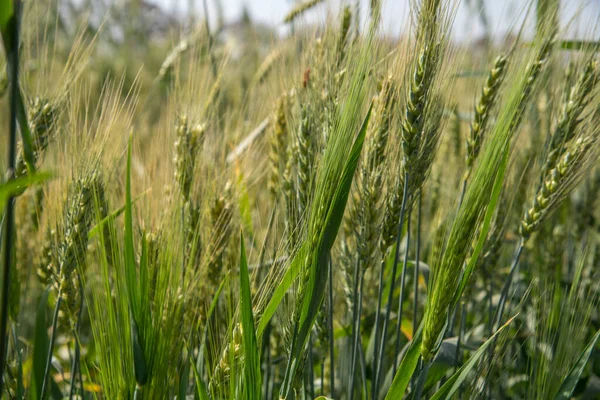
[[568, 385], [318, 260], [112, 216], [251, 387], [201, 391], [139, 360], [40, 345], [10, 15], [406, 369], [452, 384]]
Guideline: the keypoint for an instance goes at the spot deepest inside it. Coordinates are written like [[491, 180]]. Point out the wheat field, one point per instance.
[[194, 209]]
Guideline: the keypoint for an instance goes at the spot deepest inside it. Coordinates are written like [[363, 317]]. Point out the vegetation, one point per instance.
[[221, 212]]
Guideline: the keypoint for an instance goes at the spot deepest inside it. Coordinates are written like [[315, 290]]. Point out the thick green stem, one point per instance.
[[9, 219]]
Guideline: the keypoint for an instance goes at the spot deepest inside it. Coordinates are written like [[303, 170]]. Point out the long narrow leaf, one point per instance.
[[112, 216], [15, 186], [278, 294], [452, 384], [9, 20], [130, 268], [200, 386], [40, 345], [406, 369], [252, 378], [139, 360], [6, 12], [319, 256], [485, 227], [568, 385]]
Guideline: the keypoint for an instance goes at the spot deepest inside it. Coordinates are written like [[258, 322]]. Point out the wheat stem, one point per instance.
[[331, 338], [500, 308], [461, 334], [402, 289], [416, 270], [311, 371], [376, 354], [77, 357], [507, 284], [9, 219], [391, 291], [422, 379], [51, 345], [358, 284]]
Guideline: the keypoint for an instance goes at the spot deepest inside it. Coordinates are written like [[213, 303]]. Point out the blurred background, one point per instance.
[[474, 19]]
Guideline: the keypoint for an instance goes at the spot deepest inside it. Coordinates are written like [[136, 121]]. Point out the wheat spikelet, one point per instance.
[[47, 260], [375, 8], [221, 212], [78, 218], [393, 204], [532, 73], [412, 123], [304, 157], [223, 368], [166, 68], [372, 174], [188, 141], [421, 166], [265, 67], [289, 193], [71, 289], [28, 212], [42, 116], [568, 80], [556, 185], [344, 30], [277, 152], [300, 9], [192, 231], [419, 129], [487, 100], [574, 105], [566, 156]]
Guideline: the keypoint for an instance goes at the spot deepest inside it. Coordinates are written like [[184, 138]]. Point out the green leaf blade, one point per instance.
[[568, 385], [251, 386]]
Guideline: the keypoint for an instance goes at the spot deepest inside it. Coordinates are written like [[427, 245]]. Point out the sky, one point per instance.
[[503, 15]]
